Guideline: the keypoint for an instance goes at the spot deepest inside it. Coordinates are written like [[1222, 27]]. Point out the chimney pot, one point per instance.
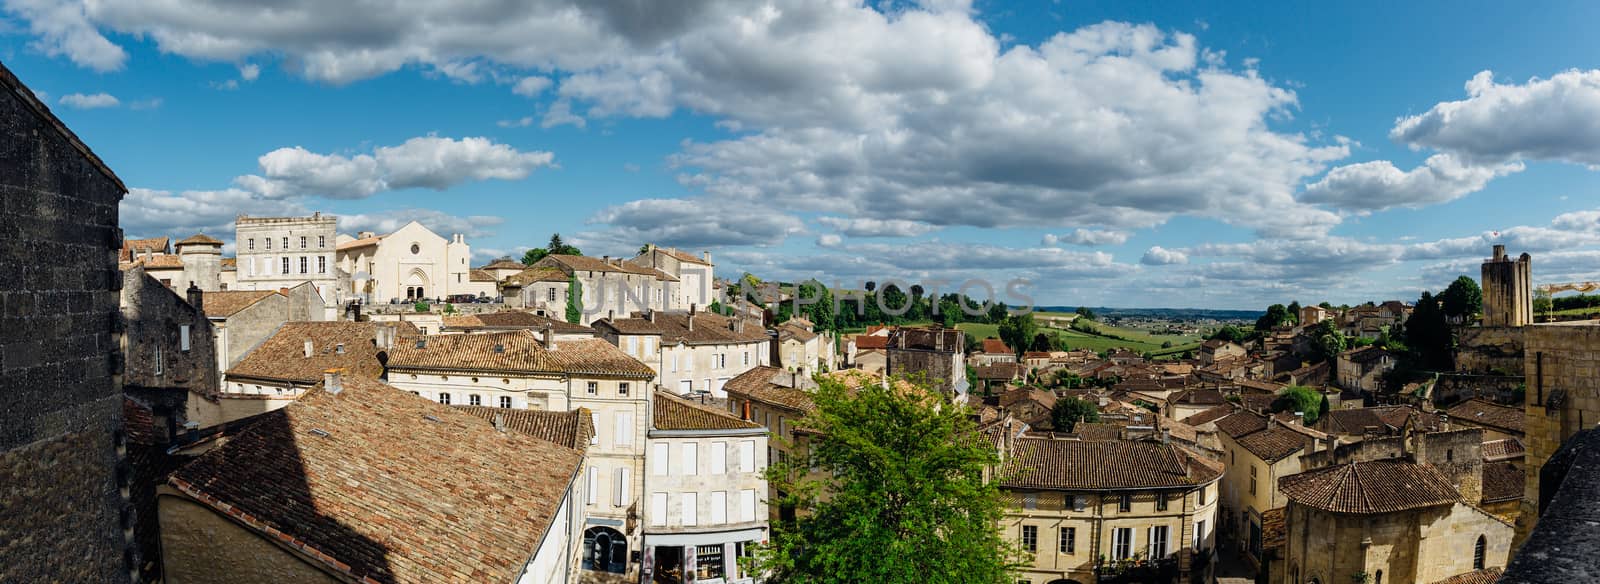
[[500, 423], [332, 381], [549, 339], [196, 297], [309, 348]]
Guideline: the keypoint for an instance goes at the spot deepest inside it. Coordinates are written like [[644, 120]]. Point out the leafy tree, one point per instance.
[[420, 306], [1084, 312], [1276, 315], [821, 312], [1018, 331], [718, 308], [643, 249], [1326, 304], [1322, 410], [907, 501], [1294, 312], [997, 312], [1068, 411], [555, 247], [1041, 343], [574, 301], [1327, 341], [1463, 298], [1299, 398], [1429, 335], [1228, 333]]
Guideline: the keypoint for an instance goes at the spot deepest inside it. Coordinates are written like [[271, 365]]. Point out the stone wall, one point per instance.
[[1490, 350], [1453, 388], [61, 419], [194, 537], [1563, 396], [250, 327], [158, 369]]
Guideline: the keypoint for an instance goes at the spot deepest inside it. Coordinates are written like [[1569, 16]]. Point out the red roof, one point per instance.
[[995, 346]]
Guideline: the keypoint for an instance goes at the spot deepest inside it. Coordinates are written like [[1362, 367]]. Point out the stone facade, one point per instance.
[[1507, 290], [61, 426], [282, 252], [169, 350], [1410, 547], [1490, 350], [413, 262], [1563, 397]]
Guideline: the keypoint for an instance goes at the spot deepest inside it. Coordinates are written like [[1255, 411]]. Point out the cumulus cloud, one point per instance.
[[868, 227], [152, 212], [439, 222], [829, 240], [690, 223], [932, 261], [90, 101], [531, 86], [1543, 119], [64, 29], [1374, 186], [1565, 232], [1160, 256], [1323, 259], [424, 162], [1088, 237]]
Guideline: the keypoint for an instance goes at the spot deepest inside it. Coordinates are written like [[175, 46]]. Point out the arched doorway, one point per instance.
[[605, 550], [417, 284]]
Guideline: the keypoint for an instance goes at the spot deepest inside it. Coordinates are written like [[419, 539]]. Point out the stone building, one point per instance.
[[169, 351], [61, 427], [513, 320], [292, 360], [409, 264], [282, 252], [517, 369], [775, 399], [802, 348], [1498, 421], [707, 504], [201, 256], [542, 290], [1257, 451], [1363, 368], [1217, 350], [693, 351], [361, 482], [1563, 398], [1507, 290], [933, 354], [610, 286], [694, 274], [1084, 511]]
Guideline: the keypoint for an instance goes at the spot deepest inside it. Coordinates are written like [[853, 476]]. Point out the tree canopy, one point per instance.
[[907, 500], [1018, 331], [1327, 341], [1228, 333], [1463, 298], [1299, 398], [1276, 315], [1068, 411], [555, 247], [1429, 336], [1083, 311]]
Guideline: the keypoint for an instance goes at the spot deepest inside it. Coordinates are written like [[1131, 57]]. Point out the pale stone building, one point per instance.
[[803, 349], [707, 504], [1363, 368], [517, 369], [1082, 511], [1217, 350], [694, 275], [290, 498], [411, 263], [168, 350], [610, 286], [542, 290], [1257, 451], [776, 399], [282, 252], [1563, 398], [693, 351]]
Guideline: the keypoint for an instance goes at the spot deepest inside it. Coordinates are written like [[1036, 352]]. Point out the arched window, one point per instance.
[[605, 550], [1478, 552], [1379, 579]]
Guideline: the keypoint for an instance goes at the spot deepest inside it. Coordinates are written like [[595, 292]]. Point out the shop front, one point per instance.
[[699, 558]]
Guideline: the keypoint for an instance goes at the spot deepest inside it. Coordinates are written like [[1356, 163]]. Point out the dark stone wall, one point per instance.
[[60, 402], [157, 370]]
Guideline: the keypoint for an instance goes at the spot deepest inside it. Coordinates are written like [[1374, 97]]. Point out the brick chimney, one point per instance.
[[332, 380], [693, 308], [196, 297], [549, 338]]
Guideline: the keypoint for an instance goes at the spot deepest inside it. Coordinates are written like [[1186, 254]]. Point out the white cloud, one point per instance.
[[146, 104], [829, 240], [423, 162], [868, 227], [560, 114], [65, 29], [1374, 186], [151, 212], [690, 223], [439, 222], [1088, 237], [1544, 119], [249, 71], [90, 101], [531, 86], [1567, 231], [1160, 256], [522, 122]]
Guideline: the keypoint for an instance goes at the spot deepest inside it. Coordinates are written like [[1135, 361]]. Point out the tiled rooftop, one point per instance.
[[571, 429], [334, 344], [675, 413], [1120, 464], [1378, 486], [1485, 413]]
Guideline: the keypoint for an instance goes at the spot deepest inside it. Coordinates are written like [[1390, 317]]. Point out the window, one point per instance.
[[594, 484], [302, 264], [1199, 534], [746, 357], [747, 456], [552, 294], [1379, 579], [621, 494], [624, 433], [285, 264], [1030, 538], [158, 359], [1478, 550], [1161, 501], [285, 242], [444, 398], [1125, 504], [1030, 500], [1069, 540], [691, 458], [322, 264], [1203, 494], [1158, 542], [622, 388], [659, 453], [252, 244], [747, 505], [658, 509], [474, 400], [415, 249], [691, 510], [1252, 479], [719, 458], [322, 241], [1122, 543], [719, 507], [183, 337], [269, 242], [606, 550], [505, 401], [594, 387], [302, 242], [633, 346]]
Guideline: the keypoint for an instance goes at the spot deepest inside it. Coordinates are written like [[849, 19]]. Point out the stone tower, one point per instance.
[[201, 255], [1507, 290]]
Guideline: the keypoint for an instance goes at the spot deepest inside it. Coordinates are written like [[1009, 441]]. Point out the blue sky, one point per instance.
[[1217, 155]]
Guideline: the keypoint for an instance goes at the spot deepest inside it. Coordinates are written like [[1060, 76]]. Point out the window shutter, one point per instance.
[[624, 434], [747, 505], [690, 510], [659, 453], [691, 458], [658, 508], [747, 456], [719, 458], [183, 331], [719, 507], [622, 489], [594, 484], [594, 418]]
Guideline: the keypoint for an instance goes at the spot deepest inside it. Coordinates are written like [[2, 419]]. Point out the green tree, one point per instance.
[[1327, 341], [1299, 398], [718, 308], [1068, 411], [1018, 332], [1228, 333], [1463, 298], [574, 301], [533, 255], [1276, 315], [555, 247], [820, 312], [1428, 335], [1084, 312], [1294, 312], [1322, 410], [1041, 343], [907, 500]]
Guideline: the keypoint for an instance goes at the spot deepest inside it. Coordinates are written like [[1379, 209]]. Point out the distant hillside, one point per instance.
[[1170, 313]]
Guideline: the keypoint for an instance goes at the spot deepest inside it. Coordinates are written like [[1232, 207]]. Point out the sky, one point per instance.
[[1124, 154]]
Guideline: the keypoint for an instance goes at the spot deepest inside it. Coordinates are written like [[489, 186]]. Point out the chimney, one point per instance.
[[606, 259], [1272, 422], [706, 255], [549, 339], [386, 334], [774, 352], [611, 315], [500, 423], [1166, 436], [308, 348], [650, 314], [332, 381], [1299, 418], [746, 409], [196, 297], [1333, 443], [692, 310]]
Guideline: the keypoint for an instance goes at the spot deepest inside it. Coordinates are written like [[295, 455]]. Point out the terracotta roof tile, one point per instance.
[[200, 238], [381, 484], [709, 328], [518, 351], [788, 331], [1484, 576], [1358, 420], [513, 319], [1274, 444], [1097, 431], [1508, 448], [1211, 415], [481, 276], [579, 263], [993, 346], [1198, 397], [226, 303], [1489, 414], [571, 429], [504, 264], [1120, 464], [139, 423], [1502, 481], [1365, 488], [865, 342], [359, 243], [1241, 424], [676, 413], [539, 274], [334, 344], [757, 385], [683, 256]]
